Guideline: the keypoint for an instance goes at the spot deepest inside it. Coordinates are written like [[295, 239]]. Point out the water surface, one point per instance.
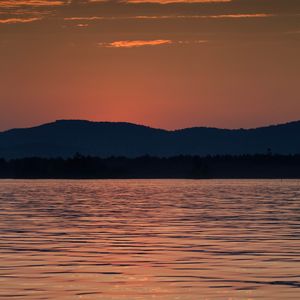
[[150, 239]]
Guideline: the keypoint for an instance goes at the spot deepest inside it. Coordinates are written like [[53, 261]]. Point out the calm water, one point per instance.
[[150, 239]]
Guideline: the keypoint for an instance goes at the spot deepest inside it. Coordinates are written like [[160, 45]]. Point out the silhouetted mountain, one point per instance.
[[64, 138]]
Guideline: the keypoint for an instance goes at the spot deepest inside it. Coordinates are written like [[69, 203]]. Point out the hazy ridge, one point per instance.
[[64, 138]]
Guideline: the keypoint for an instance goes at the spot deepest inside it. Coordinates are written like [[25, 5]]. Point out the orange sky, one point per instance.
[[167, 64]]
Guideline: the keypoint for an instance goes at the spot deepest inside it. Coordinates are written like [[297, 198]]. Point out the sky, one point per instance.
[[163, 63]]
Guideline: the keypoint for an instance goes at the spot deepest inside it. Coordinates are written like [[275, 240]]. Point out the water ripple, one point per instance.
[[150, 239]]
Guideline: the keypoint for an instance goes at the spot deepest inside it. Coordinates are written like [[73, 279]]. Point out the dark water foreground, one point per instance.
[[193, 167], [150, 239]]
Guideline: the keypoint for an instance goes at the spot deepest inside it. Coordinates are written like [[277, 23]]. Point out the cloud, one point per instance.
[[193, 42], [18, 20], [19, 3], [82, 25], [180, 18], [93, 18], [229, 16], [158, 17], [175, 1], [143, 43], [135, 43], [240, 16]]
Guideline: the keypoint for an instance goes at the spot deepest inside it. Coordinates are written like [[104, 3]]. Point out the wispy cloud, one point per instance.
[[82, 25], [240, 16], [135, 43], [176, 1], [193, 42], [143, 43], [20, 3], [92, 18], [158, 17], [229, 16], [18, 20]]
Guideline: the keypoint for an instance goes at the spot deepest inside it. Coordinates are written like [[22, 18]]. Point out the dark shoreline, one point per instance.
[[260, 166]]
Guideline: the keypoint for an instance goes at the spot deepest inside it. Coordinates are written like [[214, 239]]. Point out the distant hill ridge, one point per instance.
[[64, 138]]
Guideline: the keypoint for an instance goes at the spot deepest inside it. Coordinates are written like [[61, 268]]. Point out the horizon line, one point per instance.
[[144, 125]]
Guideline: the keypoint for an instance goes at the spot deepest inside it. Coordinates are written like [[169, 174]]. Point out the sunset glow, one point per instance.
[[168, 64], [149, 149]]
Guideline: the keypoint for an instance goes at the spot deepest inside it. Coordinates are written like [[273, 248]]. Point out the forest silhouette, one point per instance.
[[193, 167]]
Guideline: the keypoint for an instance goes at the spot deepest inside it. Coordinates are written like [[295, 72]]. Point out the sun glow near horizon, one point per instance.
[[167, 64]]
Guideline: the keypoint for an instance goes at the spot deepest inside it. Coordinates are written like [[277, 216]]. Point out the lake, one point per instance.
[[150, 239]]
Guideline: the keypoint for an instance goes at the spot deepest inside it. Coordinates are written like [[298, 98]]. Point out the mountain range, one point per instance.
[[64, 138]]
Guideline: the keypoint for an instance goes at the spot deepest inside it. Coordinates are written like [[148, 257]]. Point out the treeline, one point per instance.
[[87, 167]]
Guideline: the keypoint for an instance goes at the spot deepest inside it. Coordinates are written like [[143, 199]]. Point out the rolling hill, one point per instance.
[[64, 138]]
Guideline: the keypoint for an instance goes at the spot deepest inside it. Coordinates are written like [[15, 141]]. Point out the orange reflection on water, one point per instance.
[[149, 239]]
